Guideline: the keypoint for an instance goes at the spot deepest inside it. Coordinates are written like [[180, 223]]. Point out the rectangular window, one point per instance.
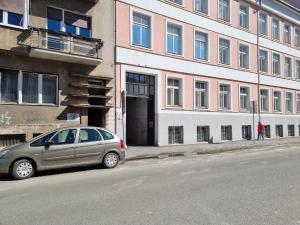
[[201, 6], [263, 60], [15, 19], [297, 37], [174, 39], [289, 102], [201, 95], [177, 1], [297, 69], [8, 86], [287, 34], [49, 92], [246, 132], [244, 98], [30, 93], [263, 21], [288, 67], [224, 51], [1, 16], [226, 133], [202, 133], [224, 96], [174, 92], [275, 29], [277, 101], [141, 30], [267, 133], [224, 10], [175, 134], [264, 100], [279, 131], [244, 56], [298, 103], [276, 64], [291, 130], [62, 20], [244, 16], [201, 46]]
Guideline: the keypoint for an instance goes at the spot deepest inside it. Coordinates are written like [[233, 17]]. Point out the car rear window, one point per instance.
[[106, 135]]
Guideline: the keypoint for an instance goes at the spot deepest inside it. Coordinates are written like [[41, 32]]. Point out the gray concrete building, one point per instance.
[[56, 66]]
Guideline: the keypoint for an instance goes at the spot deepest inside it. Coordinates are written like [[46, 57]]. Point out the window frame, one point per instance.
[[181, 91], [280, 101], [297, 69], [278, 33], [247, 16], [182, 4], [267, 60], [146, 13], [230, 46], [40, 89], [268, 99], [88, 128], [229, 12], [63, 24], [249, 56], [288, 76], [198, 11], [208, 98], [196, 30], [25, 17], [297, 102], [259, 30], [229, 98], [287, 111], [280, 61], [297, 43], [249, 98], [290, 36], [178, 24]]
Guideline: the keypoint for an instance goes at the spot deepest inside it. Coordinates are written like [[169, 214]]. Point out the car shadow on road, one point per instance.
[[4, 177]]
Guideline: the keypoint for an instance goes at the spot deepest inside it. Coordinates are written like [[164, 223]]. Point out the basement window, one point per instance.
[[279, 131], [202, 133], [175, 134], [267, 131], [11, 139], [226, 133], [246, 132], [291, 130]]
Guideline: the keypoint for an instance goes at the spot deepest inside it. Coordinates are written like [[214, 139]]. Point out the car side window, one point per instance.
[[64, 137], [43, 140], [106, 135], [89, 135]]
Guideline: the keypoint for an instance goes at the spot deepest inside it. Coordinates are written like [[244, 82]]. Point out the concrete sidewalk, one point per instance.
[[152, 152]]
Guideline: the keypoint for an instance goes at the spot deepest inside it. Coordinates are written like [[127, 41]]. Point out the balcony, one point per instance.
[[64, 47]]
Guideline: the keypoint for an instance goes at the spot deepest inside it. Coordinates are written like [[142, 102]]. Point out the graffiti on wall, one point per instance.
[[5, 118]]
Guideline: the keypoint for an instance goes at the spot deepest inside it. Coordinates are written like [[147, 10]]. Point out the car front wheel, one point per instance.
[[22, 169], [110, 160]]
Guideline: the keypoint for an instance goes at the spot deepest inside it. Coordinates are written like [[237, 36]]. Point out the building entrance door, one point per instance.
[[140, 109]]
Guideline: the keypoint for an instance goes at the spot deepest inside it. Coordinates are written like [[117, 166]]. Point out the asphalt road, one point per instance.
[[248, 187]]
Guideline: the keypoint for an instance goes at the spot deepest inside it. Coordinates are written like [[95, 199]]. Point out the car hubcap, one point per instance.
[[24, 169], [111, 160]]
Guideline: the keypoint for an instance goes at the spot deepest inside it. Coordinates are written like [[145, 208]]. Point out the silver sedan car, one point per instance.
[[62, 148]]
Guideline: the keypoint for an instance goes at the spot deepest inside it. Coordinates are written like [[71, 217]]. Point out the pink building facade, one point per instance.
[[190, 72]]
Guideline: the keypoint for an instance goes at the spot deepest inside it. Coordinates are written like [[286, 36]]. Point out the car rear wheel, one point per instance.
[[110, 160], [22, 169]]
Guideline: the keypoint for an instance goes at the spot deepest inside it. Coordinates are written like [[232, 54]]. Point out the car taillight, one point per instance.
[[122, 144]]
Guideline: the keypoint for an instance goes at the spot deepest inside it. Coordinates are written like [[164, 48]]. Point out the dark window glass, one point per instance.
[[64, 137], [106, 135], [30, 88], [84, 32], [43, 140], [9, 86], [70, 29], [1, 16], [89, 135], [49, 89], [15, 19]]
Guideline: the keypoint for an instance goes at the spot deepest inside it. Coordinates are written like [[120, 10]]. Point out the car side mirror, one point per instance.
[[49, 143]]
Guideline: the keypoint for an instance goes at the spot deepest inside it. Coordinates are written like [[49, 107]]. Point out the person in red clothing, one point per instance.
[[260, 131]]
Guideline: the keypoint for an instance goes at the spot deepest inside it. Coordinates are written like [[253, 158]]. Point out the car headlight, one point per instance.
[[3, 153]]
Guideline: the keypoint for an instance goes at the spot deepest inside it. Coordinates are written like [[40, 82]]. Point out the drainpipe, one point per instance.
[[115, 69], [258, 63]]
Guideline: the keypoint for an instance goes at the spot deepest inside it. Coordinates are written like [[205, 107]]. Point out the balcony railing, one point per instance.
[[63, 43]]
